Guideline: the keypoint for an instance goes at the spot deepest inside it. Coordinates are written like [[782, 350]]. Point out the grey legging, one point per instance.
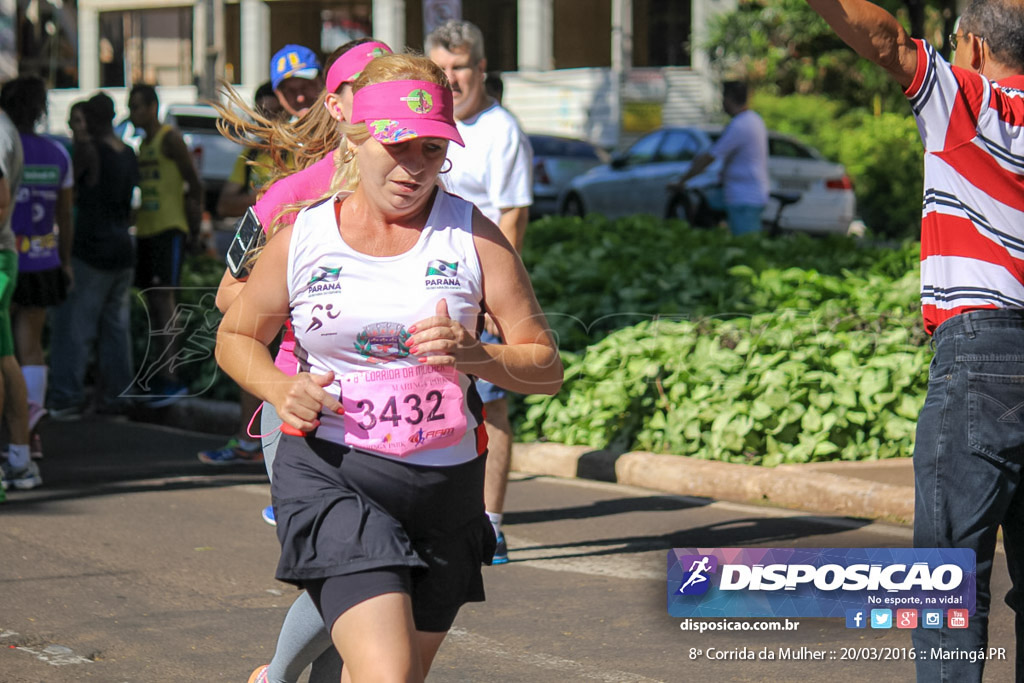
[[303, 639]]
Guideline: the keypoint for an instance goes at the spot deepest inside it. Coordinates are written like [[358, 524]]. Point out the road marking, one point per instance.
[[54, 655], [579, 671]]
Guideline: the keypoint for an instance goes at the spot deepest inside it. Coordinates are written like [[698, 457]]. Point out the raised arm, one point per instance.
[[873, 33]]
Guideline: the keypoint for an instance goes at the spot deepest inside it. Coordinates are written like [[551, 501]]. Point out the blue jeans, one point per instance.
[[489, 392], [744, 218], [97, 311], [967, 470]]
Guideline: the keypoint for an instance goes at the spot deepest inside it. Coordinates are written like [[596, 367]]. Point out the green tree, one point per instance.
[[784, 47]]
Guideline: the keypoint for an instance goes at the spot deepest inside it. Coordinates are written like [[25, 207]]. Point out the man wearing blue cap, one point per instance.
[[295, 75]]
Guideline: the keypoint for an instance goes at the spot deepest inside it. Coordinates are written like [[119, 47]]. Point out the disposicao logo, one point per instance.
[[817, 582], [696, 581]]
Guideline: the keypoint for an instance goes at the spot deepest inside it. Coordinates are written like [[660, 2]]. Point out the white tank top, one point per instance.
[[351, 311]]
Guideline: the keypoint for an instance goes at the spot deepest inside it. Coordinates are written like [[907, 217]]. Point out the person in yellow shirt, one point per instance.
[[172, 200]]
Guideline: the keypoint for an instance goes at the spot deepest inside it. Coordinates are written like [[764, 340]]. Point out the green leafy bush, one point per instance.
[[750, 350], [593, 275]]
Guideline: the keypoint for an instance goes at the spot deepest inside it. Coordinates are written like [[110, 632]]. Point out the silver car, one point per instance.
[[635, 181], [556, 161]]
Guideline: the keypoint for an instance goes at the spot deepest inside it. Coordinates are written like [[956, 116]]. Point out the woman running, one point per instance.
[[380, 507], [303, 156]]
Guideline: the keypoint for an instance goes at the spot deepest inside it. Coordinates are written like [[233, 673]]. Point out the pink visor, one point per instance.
[[397, 111], [347, 67]]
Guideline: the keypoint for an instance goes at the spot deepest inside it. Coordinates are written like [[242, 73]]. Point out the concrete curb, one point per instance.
[[799, 487]]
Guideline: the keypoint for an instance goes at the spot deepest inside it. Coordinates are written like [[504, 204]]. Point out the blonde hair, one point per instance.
[[292, 146]]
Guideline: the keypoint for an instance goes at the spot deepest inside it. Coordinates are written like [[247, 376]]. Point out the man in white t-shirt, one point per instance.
[[494, 171], [743, 149]]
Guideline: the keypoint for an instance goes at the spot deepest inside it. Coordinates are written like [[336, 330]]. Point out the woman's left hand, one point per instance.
[[439, 340]]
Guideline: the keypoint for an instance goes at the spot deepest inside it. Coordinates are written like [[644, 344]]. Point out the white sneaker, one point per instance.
[[23, 478]]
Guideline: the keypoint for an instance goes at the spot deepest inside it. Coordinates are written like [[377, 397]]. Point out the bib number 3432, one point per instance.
[[400, 411]]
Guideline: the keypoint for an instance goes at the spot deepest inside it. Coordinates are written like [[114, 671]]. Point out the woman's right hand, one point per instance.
[[305, 398]]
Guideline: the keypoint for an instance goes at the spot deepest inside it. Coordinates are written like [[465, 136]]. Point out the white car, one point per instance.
[[635, 181]]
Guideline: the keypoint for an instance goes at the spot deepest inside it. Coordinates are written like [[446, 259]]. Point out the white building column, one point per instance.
[[622, 36], [622, 54], [88, 48], [536, 35], [200, 16], [389, 23], [254, 31], [700, 19]]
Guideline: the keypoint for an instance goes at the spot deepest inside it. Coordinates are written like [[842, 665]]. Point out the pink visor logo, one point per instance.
[[419, 101]]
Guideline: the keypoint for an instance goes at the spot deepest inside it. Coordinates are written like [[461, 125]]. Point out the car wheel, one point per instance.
[[573, 206]]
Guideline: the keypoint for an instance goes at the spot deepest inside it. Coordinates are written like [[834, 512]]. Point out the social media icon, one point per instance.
[[881, 618], [957, 618], [931, 618], [856, 618], [906, 618]]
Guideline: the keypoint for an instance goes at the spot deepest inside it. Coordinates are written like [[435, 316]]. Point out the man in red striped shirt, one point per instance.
[[970, 437]]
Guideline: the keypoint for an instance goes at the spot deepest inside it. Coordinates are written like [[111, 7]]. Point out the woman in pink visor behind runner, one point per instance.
[[380, 502]]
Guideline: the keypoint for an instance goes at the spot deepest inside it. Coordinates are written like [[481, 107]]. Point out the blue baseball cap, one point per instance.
[[293, 61]]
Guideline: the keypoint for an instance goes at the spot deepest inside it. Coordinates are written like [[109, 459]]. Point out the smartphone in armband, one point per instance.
[[249, 236]]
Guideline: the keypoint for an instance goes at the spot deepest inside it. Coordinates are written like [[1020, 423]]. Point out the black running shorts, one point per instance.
[[342, 512]]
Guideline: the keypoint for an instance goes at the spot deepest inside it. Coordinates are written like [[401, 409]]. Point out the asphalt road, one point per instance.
[[135, 563]]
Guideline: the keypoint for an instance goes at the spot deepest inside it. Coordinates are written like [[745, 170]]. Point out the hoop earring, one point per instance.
[[348, 156], [445, 170]]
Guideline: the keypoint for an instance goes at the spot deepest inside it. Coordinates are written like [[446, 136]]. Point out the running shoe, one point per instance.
[[500, 550], [68, 414], [35, 413], [268, 515], [260, 674], [164, 393], [231, 453], [23, 478], [35, 447]]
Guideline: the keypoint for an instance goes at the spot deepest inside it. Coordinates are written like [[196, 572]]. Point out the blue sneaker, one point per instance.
[[164, 393], [231, 453], [268, 515], [500, 550]]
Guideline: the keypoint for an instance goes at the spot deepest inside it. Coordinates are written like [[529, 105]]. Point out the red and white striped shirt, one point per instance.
[[972, 229]]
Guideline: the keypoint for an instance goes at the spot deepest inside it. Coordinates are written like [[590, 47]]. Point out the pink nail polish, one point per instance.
[[422, 360], [340, 410], [413, 349], [412, 329]]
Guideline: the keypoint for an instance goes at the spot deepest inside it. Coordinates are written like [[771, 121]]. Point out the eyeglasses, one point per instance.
[[952, 40]]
